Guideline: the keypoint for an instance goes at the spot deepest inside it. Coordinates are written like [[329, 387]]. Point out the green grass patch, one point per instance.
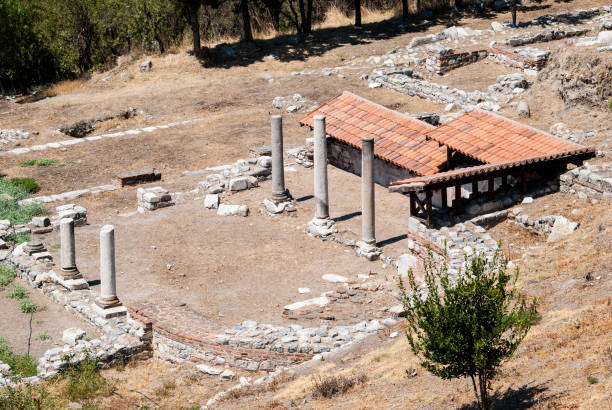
[[7, 274], [18, 237], [44, 335], [18, 189], [28, 185], [45, 162], [17, 292], [27, 306], [23, 365], [592, 380], [610, 104]]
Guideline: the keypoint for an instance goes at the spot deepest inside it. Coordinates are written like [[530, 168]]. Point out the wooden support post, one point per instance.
[[474, 188], [491, 188], [458, 208], [523, 182], [412, 204], [444, 197], [428, 207], [449, 158], [505, 180]]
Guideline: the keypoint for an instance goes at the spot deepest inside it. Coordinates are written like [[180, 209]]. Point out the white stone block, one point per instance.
[[232, 210], [405, 262], [211, 201], [72, 335], [238, 184]]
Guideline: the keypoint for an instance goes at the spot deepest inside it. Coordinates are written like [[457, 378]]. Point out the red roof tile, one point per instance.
[[490, 138], [399, 139]]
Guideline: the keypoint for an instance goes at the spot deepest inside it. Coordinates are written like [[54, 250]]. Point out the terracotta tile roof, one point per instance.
[[398, 138], [456, 174], [490, 138]]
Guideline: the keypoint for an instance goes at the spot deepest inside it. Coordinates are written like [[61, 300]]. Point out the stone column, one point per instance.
[[67, 250], [108, 289], [368, 231], [320, 169], [279, 193]]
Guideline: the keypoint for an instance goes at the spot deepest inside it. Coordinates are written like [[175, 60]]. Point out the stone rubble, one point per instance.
[[150, 199], [294, 103], [588, 181]]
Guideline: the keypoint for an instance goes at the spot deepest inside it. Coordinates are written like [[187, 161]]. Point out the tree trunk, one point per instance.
[[405, 9], [302, 15], [195, 28], [308, 26], [296, 19], [514, 13], [418, 6], [358, 13], [247, 34], [484, 394]]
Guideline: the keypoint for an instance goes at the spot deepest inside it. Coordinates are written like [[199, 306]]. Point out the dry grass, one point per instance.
[[334, 17], [64, 87]]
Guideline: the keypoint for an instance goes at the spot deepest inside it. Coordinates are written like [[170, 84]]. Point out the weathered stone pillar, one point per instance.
[[321, 224], [67, 251], [108, 303], [366, 247], [368, 230], [320, 168], [279, 193]]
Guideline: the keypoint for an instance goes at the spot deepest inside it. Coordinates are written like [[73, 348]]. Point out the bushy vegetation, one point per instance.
[[17, 189], [48, 40], [27, 306], [17, 292], [467, 327], [26, 396], [16, 238], [7, 274], [336, 385], [23, 365], [83, 381]]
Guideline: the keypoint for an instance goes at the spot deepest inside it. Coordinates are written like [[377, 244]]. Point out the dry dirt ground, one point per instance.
[[232, 269]]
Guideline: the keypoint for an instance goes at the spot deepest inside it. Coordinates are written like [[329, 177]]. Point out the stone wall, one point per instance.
[[442, 59], [524, 58], [348, 158]]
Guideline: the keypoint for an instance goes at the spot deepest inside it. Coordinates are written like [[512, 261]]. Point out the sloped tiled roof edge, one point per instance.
[[448, 176]]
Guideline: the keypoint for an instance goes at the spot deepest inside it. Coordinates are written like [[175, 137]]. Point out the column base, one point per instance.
[[321, 227], [279, 197], [70, 284], [69, 273], [107, 313], [368, 250], [108, 303]]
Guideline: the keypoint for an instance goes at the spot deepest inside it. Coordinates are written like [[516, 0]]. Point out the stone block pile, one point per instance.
[[242, 175], [13, 137], [553, 227], [76, 212], [150, 199], [589, 181]]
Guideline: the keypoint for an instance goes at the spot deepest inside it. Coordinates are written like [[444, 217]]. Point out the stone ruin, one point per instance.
[[150, 199]]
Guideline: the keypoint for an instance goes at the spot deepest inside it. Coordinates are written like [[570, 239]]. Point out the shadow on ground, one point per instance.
[[324, 40], [524, 397]]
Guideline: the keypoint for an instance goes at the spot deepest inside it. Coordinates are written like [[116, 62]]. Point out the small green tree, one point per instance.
[[468, 326]]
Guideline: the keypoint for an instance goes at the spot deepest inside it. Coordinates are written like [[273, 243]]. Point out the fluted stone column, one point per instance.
[[279, 193], [108, 288], [368, 231], [69, 269], [320, 169]]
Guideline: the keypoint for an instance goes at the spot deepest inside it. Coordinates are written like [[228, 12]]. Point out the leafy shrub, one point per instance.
[[44, 335], [27, 306], [29, 185], [26, 396], [17, 292], [7, 274], [592, 380], [28, 163], [468, 326], [334, 385], [24, 365]]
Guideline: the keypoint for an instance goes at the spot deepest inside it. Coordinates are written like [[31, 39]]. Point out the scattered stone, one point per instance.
[[209, 369], [332, 277], [233, 210], [523, 110], [146, 66], [72, 335], [150, 199], [211, 201], [562, 228], [527, 200], [227, 375]]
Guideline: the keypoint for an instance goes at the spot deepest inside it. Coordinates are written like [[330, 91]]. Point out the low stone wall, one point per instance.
[[526, 58], [123, 338], [544, 36], [442, 59]]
